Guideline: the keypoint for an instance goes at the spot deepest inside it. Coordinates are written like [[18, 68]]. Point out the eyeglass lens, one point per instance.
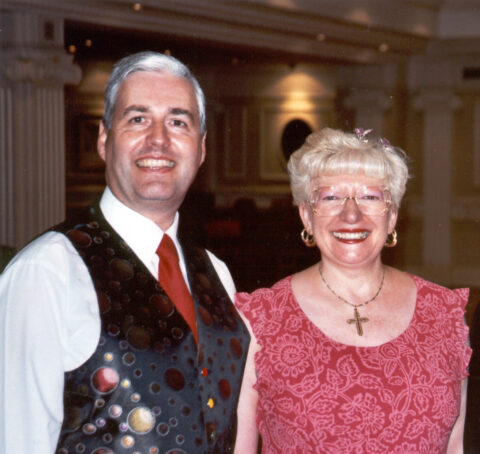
[[330, 200]]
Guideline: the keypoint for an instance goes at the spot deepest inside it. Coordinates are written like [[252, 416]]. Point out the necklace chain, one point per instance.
[[358, 320], [348, 302]]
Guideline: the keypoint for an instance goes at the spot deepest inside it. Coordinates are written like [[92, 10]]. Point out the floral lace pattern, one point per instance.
[[319, 396]]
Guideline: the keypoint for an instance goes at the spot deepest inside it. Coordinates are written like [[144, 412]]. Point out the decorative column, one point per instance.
[[369, 87], [370, 106], [438, 106], [34, 68]]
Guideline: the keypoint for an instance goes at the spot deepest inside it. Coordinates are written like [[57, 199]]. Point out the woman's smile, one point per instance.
[[351, 236]]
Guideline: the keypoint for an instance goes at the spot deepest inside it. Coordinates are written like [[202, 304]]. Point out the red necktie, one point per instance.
[[171, 279]]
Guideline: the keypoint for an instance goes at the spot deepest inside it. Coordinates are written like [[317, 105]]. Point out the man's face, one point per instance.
[[154, 147]]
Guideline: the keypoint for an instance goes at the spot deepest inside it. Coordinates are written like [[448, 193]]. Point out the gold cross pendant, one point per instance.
[[358, 321]]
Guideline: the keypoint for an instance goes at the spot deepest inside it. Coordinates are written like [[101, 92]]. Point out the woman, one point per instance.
[[350, 355]]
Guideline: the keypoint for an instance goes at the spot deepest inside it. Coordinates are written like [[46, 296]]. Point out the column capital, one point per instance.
[[437, 99], [372, 99], [39, 66], [382, 76]]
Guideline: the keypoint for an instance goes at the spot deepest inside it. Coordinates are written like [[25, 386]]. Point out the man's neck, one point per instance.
[[161, 213]]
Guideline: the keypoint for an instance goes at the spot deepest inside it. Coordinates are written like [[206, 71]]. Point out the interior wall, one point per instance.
[[249, 107], [252, 106], [83, 111]]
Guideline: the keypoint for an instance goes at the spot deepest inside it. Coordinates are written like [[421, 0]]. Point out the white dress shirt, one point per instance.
[[50, 324]]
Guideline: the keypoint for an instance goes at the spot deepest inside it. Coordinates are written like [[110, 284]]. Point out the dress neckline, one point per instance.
[[412, 322]]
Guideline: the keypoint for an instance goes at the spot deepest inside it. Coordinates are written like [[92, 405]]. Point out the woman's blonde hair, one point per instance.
[[334, 152]]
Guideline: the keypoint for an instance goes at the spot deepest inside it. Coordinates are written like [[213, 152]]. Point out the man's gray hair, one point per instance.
[[150, 62]]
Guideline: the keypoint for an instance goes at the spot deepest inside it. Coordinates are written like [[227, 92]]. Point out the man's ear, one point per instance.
[[204, 147], [102, 140]]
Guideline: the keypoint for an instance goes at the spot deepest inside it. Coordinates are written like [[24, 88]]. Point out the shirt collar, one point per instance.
[[139, 232]]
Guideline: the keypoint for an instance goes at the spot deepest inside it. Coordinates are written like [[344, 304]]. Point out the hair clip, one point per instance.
[[385, 142], [361, 133]]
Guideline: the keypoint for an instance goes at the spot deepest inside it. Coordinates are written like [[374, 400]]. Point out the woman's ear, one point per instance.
[[392, 219], [306, 216]]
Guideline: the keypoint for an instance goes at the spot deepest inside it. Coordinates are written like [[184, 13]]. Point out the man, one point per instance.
[[95, 354]]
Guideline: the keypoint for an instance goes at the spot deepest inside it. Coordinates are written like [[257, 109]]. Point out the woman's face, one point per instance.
[[349, 231]]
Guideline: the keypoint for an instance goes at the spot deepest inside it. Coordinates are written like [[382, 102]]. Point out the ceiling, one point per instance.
[[337, 31]]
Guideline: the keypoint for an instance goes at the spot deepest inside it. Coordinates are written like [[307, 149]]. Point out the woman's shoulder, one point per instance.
[[452, 296], [264, 308], [433, 287], [263, 301], [266, 292]]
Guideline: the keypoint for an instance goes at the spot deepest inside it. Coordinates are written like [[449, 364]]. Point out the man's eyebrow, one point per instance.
[[180, 111], [134, 108]]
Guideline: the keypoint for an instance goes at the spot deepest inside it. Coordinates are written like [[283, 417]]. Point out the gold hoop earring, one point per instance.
[[391, 239], [307, 238]]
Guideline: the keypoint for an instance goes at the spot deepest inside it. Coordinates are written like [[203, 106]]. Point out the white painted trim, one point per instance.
[[231, 148], [476, 145]]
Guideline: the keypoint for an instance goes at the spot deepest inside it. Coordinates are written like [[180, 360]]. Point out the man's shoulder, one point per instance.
[[48, 247], [223, 273], [55, 240]]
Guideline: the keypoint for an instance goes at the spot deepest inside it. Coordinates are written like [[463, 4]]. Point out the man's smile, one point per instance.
[[154, 164]]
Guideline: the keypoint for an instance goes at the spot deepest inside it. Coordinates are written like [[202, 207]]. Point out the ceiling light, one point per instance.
[[383, 47], [321, 37], [137, 6], [72, 48], [88, 43]]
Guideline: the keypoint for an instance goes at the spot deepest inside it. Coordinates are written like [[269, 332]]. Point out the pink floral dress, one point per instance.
[[319, 396]]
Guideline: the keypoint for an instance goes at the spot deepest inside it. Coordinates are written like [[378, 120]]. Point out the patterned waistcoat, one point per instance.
[[148, 388]]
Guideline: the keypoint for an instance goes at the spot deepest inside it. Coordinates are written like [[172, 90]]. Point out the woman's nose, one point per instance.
[[350, 211]]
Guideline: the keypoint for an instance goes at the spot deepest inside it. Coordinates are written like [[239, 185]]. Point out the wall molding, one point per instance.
[[476, 145]]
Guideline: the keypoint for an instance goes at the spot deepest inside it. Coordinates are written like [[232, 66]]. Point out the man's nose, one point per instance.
[[158, 134]]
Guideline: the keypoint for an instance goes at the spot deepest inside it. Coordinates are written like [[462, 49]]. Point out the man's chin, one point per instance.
[[159, 199]]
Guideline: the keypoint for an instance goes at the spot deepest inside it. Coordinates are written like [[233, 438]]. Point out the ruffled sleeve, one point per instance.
[[250, 305], [263, 308], [464, 349]]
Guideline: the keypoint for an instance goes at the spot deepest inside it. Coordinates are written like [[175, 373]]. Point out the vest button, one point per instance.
[[211, 431], [211, 402]]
